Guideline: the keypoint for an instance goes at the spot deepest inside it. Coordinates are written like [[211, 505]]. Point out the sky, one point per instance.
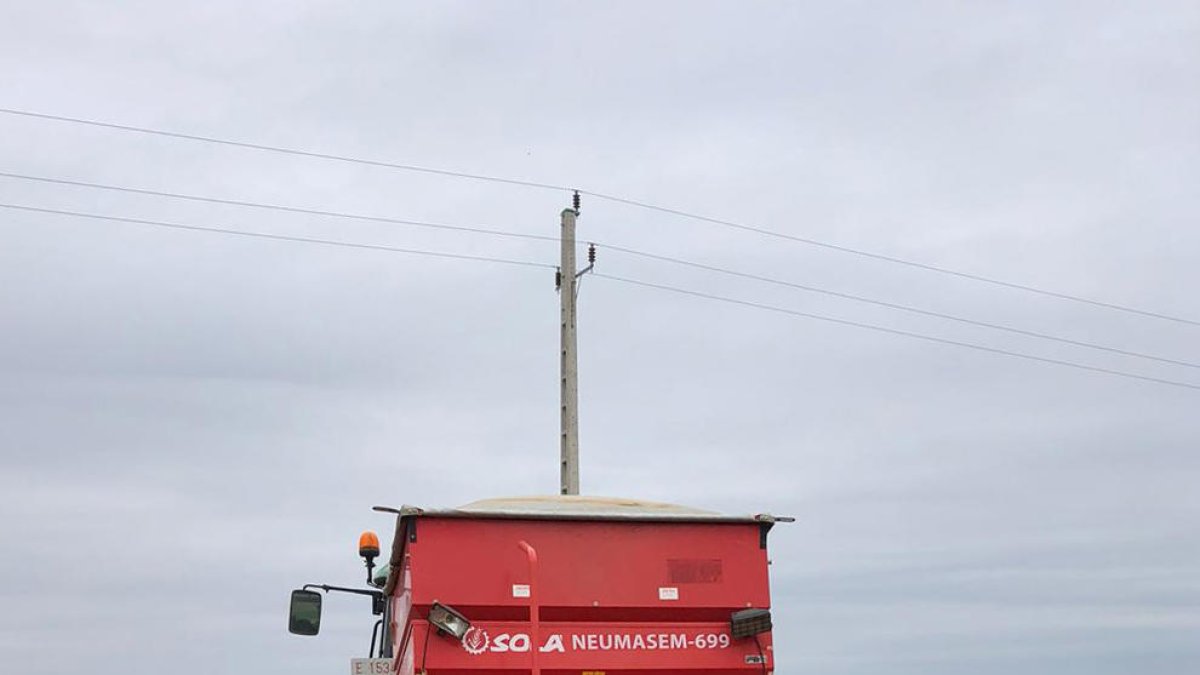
[[192, 424]]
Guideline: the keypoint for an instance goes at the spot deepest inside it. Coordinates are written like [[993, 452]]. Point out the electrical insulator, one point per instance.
[[575, 201], [557, 280], [591, 254]]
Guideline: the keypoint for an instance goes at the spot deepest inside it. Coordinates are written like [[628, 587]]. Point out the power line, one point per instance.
[[892, 259], [277, 237], [894, 331], [277, 207], [612, 198], [524, 263], [280, 149], [896, 306], [621, 249]]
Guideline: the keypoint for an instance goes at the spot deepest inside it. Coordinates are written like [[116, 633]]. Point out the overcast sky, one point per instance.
[[192, 424]]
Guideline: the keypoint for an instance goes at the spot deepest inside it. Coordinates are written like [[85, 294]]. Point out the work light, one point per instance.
[[748, 622], [448, 620]]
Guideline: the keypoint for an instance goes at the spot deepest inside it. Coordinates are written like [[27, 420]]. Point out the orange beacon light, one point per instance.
[[368, 548]]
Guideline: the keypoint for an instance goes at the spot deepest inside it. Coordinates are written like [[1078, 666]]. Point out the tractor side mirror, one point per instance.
[[304, 616]]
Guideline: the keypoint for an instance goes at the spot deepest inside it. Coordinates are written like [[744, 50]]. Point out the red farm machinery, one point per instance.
[[565, 585]]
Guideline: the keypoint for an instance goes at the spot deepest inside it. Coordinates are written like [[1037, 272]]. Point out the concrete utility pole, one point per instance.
[[569, 369]]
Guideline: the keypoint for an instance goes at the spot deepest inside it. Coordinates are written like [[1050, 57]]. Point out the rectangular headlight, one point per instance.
[[448, 620]]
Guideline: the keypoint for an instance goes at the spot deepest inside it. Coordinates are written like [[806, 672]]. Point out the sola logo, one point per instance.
[[475, 641]]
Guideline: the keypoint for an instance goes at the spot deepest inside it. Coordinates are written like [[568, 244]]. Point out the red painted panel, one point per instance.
[[617, 597], [589, 567]]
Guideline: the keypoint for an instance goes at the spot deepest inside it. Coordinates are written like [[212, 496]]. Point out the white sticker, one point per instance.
[[520, 590], [668, 593]]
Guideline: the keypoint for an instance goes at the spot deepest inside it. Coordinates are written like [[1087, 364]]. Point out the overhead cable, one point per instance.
[[621, 249], [524, 263], [276, 237], [280, 149], [892, 259], [896, 306], [895, 331], [277, 207], [613, 198]]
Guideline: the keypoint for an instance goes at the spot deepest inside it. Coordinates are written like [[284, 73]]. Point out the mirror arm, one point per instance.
[[377, 597]]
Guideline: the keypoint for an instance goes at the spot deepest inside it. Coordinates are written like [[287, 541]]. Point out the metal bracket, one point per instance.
[[378, 600]]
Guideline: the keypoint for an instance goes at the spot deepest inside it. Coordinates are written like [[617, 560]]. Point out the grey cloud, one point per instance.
[[192, 424]]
